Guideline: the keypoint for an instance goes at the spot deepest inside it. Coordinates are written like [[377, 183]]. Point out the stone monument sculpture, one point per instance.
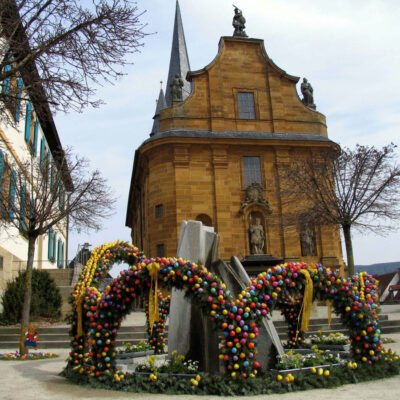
[[257, 238], [308, 93], [176, 88], [239, 23], [254, 195]]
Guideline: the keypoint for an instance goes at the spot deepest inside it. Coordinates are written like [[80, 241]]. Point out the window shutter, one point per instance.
[[7, 81], [11, 195], [62, 255], [18, 100], [53, 250], [35, 137], [42, 149], [58, 252], [28, 118], [50, 247]]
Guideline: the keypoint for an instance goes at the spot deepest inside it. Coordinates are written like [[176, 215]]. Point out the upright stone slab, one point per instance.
[[189, 332]]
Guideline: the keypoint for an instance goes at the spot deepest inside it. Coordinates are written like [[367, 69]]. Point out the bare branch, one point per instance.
[[71, 46]]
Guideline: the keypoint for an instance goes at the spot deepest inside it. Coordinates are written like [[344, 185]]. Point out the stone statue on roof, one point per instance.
[[176, 88], [307, 91], [239, 23]]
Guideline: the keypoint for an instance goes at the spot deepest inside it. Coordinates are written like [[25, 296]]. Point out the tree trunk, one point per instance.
[[349, 249], [28, 295]]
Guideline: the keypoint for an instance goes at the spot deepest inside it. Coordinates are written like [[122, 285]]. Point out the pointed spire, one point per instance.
[[179, 62], [161, 104]]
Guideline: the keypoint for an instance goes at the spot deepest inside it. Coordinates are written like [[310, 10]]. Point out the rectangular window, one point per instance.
[[35, 137], [159, 211], [246, 105], [1, 262], [11, 195], [42, 152], [160, 250], [252, 170], [18, 100], [7, 82], [58, 253], [28, 119]]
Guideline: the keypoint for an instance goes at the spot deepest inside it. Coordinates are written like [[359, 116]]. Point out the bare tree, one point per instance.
[[350, 188], [39, 194], [61, 49]]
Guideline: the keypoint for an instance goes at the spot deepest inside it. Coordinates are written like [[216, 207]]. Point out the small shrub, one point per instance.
[[45, 302]]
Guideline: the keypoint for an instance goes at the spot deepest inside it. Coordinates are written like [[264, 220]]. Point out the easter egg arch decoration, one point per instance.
[[97, 316]]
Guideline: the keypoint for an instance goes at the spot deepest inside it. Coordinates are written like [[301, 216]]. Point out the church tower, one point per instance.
[[219, 141]]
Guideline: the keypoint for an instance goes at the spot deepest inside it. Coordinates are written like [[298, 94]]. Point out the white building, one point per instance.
[[34, 137]]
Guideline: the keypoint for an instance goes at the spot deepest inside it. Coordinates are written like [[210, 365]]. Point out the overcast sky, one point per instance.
[[348, 50]]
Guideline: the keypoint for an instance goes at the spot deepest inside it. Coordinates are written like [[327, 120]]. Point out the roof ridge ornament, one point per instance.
[[238, 23]]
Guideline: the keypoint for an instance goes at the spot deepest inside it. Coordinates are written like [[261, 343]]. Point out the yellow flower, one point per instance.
[[153, 377]]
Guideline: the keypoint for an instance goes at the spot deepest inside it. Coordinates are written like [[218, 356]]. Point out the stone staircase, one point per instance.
[[58, 336], [63, 279]]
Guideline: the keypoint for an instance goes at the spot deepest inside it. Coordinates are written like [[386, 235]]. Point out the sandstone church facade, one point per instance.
[[220, 137]]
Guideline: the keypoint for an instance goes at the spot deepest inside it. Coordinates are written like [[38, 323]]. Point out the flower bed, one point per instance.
[[334, 338], [176, 365], [25, 357], [295, 360], [281, 382]]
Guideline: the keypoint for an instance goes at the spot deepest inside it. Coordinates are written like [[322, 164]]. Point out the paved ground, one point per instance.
[[39, 380]]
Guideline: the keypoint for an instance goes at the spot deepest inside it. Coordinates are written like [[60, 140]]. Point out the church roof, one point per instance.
[[161, 104], [249, 135], [179, 62]]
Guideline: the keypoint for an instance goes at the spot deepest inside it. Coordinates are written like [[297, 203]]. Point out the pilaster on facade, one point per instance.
[[181, 155]]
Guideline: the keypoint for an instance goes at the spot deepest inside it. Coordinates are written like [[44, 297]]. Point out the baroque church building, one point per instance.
[[221, 135]]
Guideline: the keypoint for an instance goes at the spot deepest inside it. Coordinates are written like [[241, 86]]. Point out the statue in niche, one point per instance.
[[239, 23], [307, 241], [257, 238], [308, 93], [176, 88]]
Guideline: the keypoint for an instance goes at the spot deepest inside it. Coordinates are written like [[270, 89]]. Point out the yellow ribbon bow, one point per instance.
[[153, 269]]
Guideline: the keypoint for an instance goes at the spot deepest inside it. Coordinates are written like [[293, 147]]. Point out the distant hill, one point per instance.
[[379, 269]]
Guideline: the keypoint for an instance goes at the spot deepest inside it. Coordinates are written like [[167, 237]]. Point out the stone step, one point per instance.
[[62, 277], [64, 336], [66, 328], [59, 344], [58, 336], [338, 327], [324, 321]]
